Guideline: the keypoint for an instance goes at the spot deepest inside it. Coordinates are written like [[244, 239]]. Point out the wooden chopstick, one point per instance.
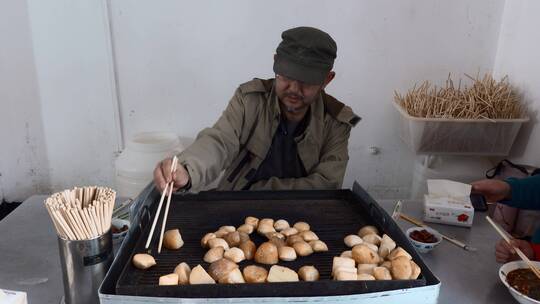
[[519, 252], [447, 238], [165, 215], [163, 194], [80, 213]]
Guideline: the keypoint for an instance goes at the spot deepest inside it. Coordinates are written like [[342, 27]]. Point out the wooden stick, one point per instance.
[[102, 214], [156, 216], [77, 222], [71, 222], [447, 238], [71, 235], [80, 222], [107, 216], [166, 214], [72, 195], [64, 214], [96, 219], [168, 185], [93, 193], [111, 207], [518, 251], [56, 223], [90, 222], [165, 218], [85, 223]]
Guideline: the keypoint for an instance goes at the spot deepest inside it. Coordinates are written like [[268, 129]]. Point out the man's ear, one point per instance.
[[328, 79]]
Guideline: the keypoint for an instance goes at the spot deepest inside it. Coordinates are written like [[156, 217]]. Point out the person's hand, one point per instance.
[[494, 190], [504, 253], [163, 175]]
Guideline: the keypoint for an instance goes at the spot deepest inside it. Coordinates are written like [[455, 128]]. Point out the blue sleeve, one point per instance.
[[525, 192]]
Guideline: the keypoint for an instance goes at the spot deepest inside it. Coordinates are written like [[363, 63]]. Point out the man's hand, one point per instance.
[[494, 190], [504, 253], [163, 175]]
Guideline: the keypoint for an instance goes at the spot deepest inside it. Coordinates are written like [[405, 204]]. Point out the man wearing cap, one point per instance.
[[282, 133]]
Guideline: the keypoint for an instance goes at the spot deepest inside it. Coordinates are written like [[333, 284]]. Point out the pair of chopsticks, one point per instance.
[[518, 251], [397, 214], [449, 239], [167, 191]]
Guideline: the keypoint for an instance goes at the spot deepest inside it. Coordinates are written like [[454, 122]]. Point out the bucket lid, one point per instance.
[[153, 142]]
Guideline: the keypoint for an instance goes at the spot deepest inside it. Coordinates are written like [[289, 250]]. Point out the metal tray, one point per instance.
[[332, 215]]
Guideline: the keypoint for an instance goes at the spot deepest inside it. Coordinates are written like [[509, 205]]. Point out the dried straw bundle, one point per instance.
[[485, 99]]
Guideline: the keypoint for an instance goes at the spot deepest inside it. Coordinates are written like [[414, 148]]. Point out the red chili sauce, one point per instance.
[[525, 281], [423, 236]]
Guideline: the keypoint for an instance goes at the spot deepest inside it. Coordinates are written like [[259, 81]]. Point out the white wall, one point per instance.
[[518, 57], [179, 62], [76, 84], [23, 159]]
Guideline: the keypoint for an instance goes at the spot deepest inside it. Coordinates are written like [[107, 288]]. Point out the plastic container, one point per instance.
[[458, 136], [135, 165]]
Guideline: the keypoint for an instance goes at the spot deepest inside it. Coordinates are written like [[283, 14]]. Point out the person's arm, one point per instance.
[[329, 172], [519, 193], [524, 193], [215, 147], [504, 253]]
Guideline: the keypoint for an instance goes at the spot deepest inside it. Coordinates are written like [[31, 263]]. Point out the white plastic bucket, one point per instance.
[[135, 165]]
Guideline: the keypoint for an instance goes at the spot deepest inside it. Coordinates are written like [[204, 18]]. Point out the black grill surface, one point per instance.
[[331, 214]]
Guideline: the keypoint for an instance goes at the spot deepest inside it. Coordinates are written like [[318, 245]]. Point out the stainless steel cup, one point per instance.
[[84, 265]]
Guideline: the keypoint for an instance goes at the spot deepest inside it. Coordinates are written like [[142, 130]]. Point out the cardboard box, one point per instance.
[[448, 210]]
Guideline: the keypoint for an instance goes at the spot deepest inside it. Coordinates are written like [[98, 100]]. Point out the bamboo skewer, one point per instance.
[[486, 99], [520, 253]]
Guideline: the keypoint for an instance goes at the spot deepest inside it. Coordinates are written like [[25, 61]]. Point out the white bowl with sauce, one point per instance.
[[505, 269]]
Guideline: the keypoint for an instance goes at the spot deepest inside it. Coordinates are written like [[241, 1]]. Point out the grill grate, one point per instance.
[[331, 218]]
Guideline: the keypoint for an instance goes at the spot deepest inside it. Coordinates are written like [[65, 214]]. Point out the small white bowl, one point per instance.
[[505, 269], [420, 246], [119, 223]]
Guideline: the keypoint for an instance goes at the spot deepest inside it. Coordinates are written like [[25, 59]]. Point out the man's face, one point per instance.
[[295, 95]]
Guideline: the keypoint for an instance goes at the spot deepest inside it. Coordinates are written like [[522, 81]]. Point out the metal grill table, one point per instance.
[[332, 214]]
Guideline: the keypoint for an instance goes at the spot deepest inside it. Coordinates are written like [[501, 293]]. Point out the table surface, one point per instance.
[[29, 259]]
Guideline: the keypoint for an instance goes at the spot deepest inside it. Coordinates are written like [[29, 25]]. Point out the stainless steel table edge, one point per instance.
[[427, 295]]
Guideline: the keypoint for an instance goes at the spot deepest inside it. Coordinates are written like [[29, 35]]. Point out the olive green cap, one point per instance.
[[306, 54]]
